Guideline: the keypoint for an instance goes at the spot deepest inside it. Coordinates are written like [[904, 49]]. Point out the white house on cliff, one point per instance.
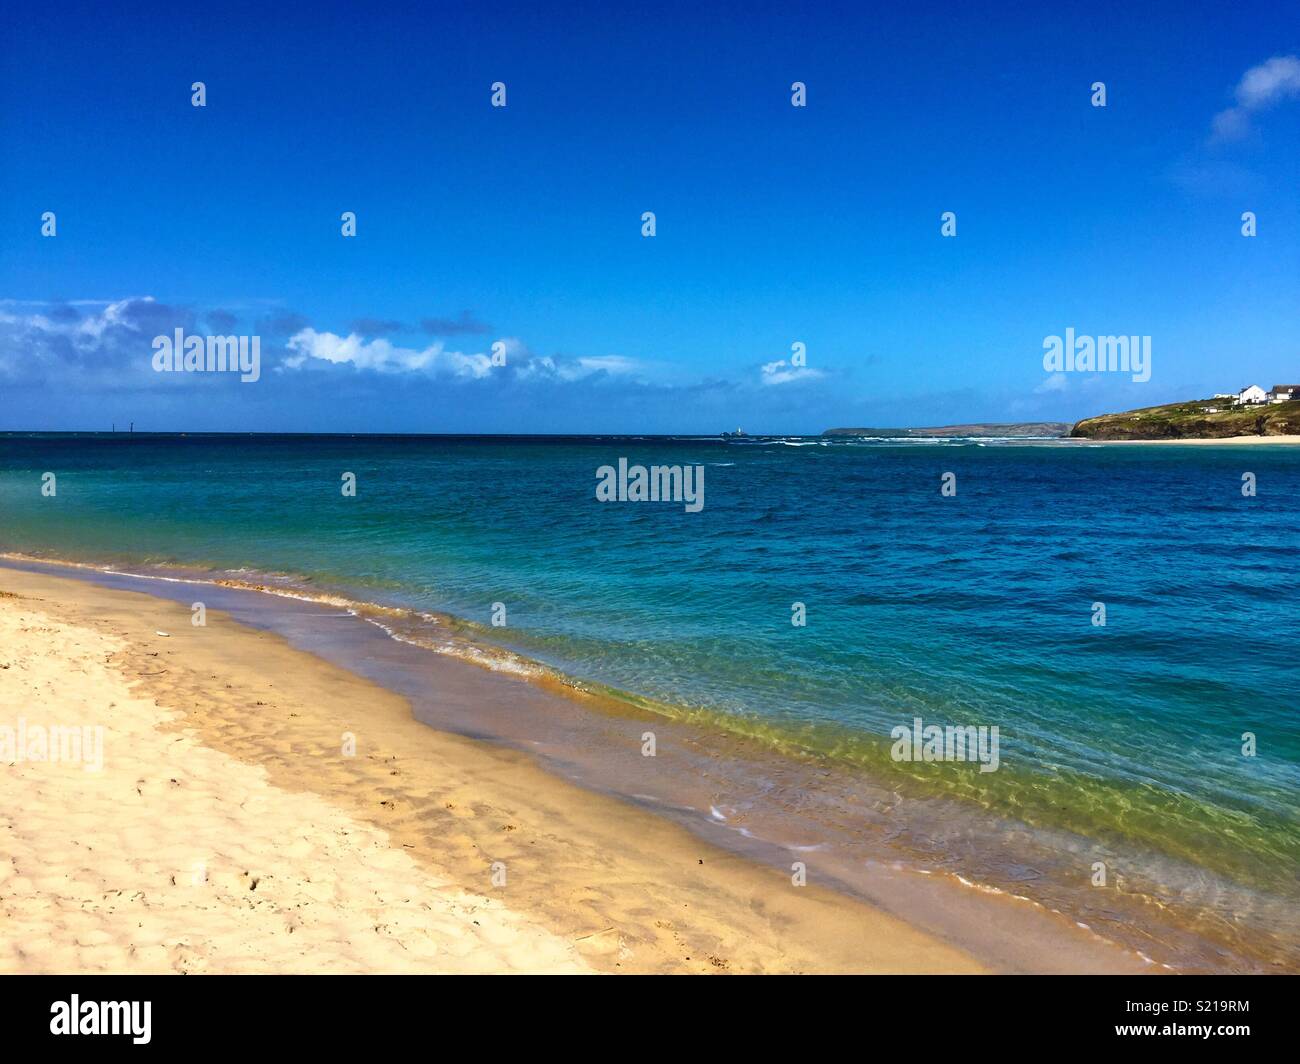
[[1256, 396]]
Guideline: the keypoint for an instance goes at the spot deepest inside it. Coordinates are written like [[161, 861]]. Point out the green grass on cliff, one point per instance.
[[1185, 421]]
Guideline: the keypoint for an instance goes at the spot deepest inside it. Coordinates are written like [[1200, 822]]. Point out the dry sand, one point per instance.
[[1228, 440], [228, 831]]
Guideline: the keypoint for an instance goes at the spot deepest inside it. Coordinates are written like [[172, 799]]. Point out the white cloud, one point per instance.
[[617, 364], [576, 369], [110, 347], [84, 332], [1260, 87], [108, 344], [384, 356], [1055, 383], [782, 372]]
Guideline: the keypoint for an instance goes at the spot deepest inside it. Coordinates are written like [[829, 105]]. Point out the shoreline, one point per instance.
[[1229, 441], [591, 882], [577, 740]]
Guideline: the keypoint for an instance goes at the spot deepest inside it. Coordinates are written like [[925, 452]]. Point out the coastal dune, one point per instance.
[[231, 828]]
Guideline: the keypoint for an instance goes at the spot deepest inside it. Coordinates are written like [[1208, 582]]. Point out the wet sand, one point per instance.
[[229, 829]]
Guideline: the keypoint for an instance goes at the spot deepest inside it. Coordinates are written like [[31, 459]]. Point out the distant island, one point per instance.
[[1252, 412], [1039, 429]]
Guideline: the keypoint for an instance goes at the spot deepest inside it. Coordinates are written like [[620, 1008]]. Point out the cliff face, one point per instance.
[[1189, 421]]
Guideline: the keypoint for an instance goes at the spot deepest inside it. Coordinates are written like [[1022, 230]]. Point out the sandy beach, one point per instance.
[[222, 823], [1232, 441]]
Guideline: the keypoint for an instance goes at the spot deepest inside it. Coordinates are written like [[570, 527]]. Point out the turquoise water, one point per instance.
[[975, 609]]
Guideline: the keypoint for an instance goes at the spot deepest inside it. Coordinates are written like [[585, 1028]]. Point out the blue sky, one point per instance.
[[775, 224]]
